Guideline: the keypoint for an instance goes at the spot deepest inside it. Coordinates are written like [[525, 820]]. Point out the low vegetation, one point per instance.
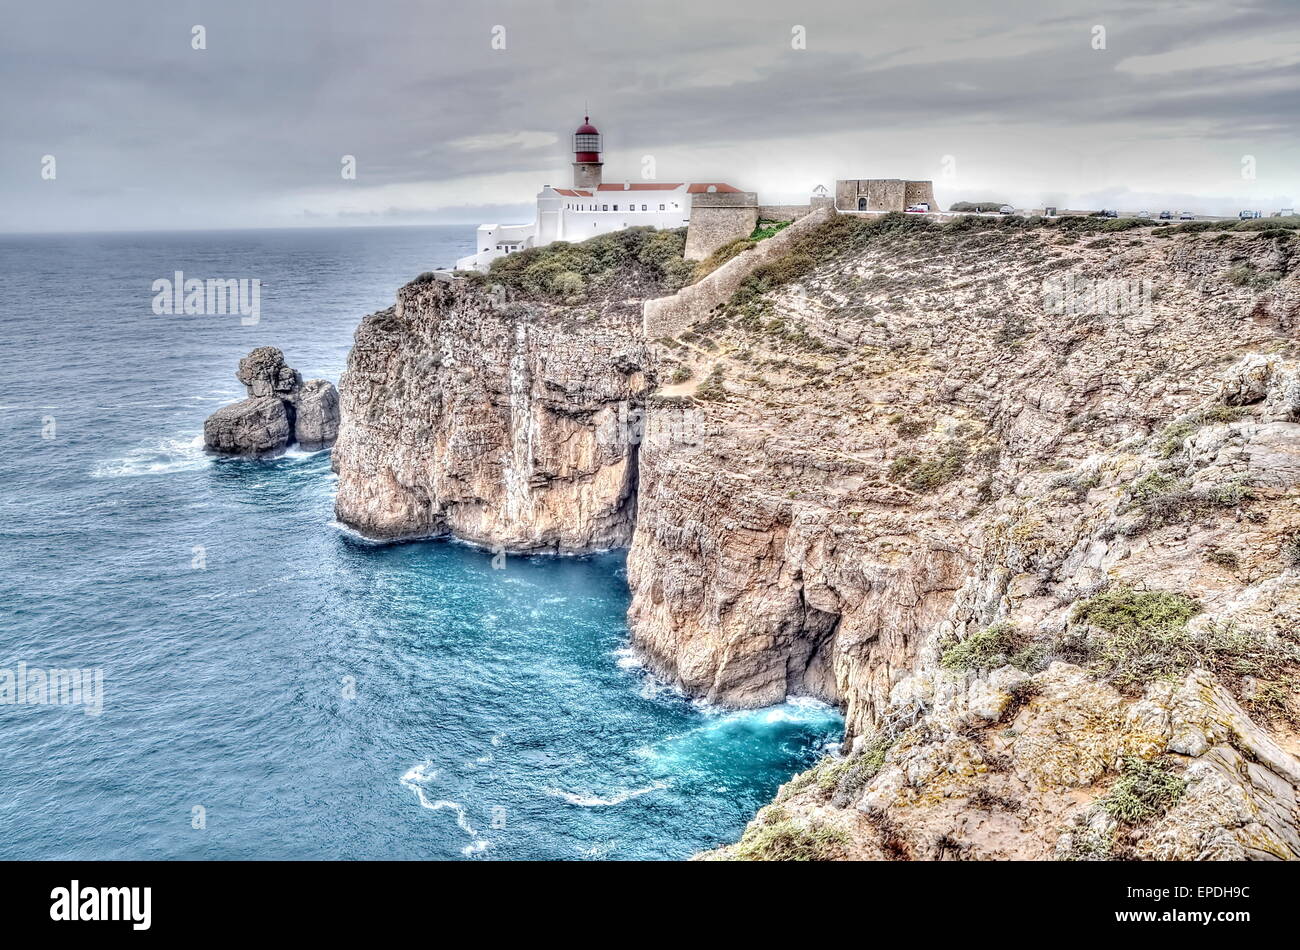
[[766, 229], [1141, 636], [1145, 791], [1173, 436], [712, 389], [777, 837], [927, 474], [648, 261], [985, 650], [1165, 499]]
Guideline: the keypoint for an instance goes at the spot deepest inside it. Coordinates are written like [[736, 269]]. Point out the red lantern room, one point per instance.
[[586, 142], [586, 156]]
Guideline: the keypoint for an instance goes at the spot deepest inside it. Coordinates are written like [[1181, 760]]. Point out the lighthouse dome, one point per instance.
[[586, 142]]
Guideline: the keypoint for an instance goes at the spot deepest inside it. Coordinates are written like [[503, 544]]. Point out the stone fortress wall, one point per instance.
[[882, 194], [717, 218], [669, 316]]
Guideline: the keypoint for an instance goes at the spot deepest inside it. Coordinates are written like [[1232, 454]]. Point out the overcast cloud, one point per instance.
[[1011, 96]]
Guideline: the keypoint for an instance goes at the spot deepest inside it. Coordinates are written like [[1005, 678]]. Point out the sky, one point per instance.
[[457, 112]]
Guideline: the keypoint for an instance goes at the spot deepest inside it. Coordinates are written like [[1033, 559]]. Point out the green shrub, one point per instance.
[[1125, 609], [787, 840], [1291, 551], [908, 427], [924, 475], [983, 650], [980, 206], [712, 390], [605, 264], [1172, 437], [1165, 499], [766, 229], [1244, 275], [1144, 635], [1144, 791]]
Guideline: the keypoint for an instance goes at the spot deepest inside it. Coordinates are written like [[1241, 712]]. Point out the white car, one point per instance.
[[1144, 214], [1006, 209], [922, 207], [1186, 216]]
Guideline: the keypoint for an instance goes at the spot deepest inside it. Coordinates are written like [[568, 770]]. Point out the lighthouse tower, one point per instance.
[[586, 156]]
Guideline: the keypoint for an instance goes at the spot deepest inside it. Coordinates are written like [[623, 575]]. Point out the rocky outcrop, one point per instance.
[[509, 425], [280, 410], [253, 427], [859, 480]]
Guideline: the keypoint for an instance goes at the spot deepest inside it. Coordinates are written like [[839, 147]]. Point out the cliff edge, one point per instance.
[[1021, 499]]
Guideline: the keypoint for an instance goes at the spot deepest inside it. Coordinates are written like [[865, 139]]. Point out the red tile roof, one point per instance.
[[572, 193], [642, 186], [700, 187]]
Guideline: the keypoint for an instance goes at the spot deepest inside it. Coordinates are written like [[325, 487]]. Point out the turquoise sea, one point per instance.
[[274, 687]]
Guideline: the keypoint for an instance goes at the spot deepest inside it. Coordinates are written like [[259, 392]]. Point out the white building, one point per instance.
[[590, 207]]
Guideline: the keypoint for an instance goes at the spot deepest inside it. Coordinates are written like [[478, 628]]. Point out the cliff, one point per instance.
[[508, 425], [1045, 556]]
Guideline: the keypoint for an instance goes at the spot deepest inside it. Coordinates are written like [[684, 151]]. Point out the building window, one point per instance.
[[615, 207], [644, 208], [604, 207], [661, 207]]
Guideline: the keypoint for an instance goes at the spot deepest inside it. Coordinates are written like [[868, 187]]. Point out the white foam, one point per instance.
[[158, 458], [595, 801], [415, 779]]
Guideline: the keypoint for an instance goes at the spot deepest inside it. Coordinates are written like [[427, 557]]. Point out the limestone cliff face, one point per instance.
[[912, 455], [897, 483], [503, 424]]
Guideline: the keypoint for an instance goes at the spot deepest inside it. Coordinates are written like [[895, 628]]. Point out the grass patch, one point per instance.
[[650, 262], [1125, 609], [984, 650], [712, 389], [1164, 499], [923, 475], [1171, 438], [784, 839], [1145, 791], [1144, 635], [1244, 275], [766, 229]]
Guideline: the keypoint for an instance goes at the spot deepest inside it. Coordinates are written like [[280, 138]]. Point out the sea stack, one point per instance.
[[280, 410]]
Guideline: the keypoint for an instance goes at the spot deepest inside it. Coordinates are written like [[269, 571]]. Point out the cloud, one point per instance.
[[151, 133]]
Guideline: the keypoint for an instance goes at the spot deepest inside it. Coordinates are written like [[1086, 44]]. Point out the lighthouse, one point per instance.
[[586, 156], [592, 207]]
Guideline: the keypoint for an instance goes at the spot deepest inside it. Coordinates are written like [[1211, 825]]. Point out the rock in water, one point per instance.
[[281, 410], [265, 373], [316, 414], [259, 426]]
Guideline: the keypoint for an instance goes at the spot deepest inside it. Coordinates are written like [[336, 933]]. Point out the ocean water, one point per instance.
[[274, 687]]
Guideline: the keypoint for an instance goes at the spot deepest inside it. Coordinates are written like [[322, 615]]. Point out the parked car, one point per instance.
[[1006, 209], [921, 207], [1166, 216], [1109, 213], [1284, 213], [1186, 216], [1144, 214], [1249, 215]]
